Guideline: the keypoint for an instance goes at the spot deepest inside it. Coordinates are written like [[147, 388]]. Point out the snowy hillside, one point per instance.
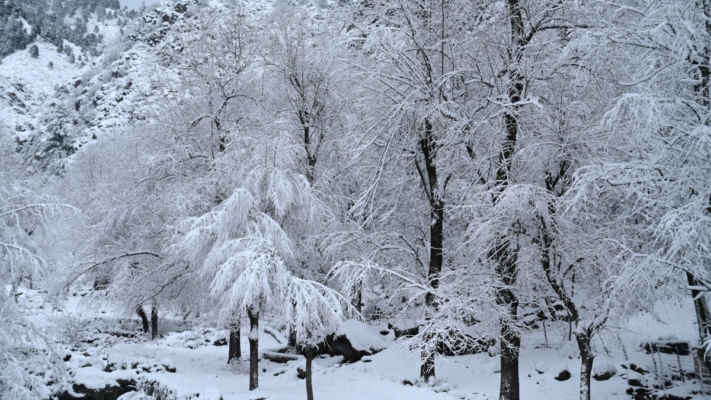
[[26, 82], [35, 86], [118, 87]]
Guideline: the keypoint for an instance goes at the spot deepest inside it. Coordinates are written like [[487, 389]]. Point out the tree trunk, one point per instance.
[[506, 258], [234, 351], [154, 320], [510, 340], [253, 348], [427, 369], [144, 318], [430, 182], [291, 340], [13, 292], [586, 357], [308, 353], [358, 300], [703, 315]]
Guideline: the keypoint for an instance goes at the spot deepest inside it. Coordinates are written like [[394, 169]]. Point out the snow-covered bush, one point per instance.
[[71, 328]]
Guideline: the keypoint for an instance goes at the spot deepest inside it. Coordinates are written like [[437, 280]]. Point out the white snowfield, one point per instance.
[[393, 373]]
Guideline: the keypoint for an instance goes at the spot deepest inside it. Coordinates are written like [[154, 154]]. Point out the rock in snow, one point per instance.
[[355, 339], [562, 373], [541, 368], [362, 336], [604, 371]]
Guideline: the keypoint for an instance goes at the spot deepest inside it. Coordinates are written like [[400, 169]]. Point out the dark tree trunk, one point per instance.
[[291, 340], [358, 300], [427, 369], [703, 316], [510, 336], [307, 120], [505, 257], [234, 351], [144, 318], [154, 320], [253, 348], [309, 354], [435, 195], [587, 357]]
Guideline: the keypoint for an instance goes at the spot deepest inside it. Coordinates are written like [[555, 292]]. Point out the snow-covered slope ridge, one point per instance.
[[35, 88], [120, 87]]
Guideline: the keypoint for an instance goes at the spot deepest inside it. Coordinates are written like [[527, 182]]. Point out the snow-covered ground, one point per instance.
[[200, 366]]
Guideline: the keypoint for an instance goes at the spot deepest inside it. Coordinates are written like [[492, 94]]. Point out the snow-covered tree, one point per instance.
[[244, 249], [413, 149], [29, 365], [319, 312]]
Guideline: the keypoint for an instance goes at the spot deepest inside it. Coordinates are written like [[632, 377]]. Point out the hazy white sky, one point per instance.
[[135, 4]]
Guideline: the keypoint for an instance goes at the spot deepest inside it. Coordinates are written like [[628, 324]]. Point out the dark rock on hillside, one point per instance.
[[634, 367], [404, 332], [107, 393], [667, 347], [333, 346], [563, 374], [346, 349]]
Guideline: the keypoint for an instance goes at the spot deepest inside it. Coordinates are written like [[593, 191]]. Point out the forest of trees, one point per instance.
[[55, 21], [463, 161]]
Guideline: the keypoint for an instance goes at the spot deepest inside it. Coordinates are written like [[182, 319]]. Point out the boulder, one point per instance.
[[604, 371], [106, 393], [562, 373], [345, 348], [353, 340], [634, 367], [409, 332], [635, 379]]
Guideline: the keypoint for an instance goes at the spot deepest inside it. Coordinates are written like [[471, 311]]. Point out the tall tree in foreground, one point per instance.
[[30, 368], [305, 81], [244, 249], [242, 253], [319, 312], [412, 145]]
